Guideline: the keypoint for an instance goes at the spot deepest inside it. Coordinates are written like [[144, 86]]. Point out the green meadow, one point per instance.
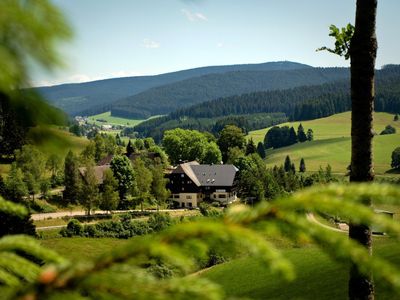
[[80, 248], [106, 116], [51, 140], [317, 275], [332, 144]]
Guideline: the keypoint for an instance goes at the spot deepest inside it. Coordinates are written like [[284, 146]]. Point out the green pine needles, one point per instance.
[[122, 273]]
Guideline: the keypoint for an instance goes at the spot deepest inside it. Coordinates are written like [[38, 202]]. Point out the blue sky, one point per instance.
[[143, 37]]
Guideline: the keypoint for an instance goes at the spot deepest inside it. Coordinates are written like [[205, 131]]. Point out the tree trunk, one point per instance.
[[363, 54]]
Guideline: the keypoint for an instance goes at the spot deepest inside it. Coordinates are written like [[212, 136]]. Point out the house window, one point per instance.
[[183, 204], [188, 197], [183, 188], [176, 196], [189, 182], [190, 204], [182, 175], [221, 196]]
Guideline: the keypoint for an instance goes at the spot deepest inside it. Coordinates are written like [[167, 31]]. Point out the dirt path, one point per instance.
[[343, 227]]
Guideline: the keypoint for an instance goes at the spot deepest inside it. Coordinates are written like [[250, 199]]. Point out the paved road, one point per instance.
[[57, 215]]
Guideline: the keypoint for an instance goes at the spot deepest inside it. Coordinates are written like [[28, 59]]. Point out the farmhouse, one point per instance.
[[191, 183]]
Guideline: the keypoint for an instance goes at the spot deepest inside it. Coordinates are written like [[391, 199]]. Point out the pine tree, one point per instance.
[[71, 178], [293, 138], [261, 150], [396, 117], [288, 164], [300, 134], [302, 167], [292, 168], [310, 135], [250, 147], [129, 148]]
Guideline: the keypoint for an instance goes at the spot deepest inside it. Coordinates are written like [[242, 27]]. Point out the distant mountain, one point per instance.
[[167, 98], [97, 96], [300, 103]]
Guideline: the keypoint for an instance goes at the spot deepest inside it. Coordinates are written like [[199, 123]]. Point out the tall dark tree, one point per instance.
[[129, 148], [288, 164], [396, 117], [362, 54], [395, 164], [293, 138], [301, 134], [71, 179], [310, 135], [250, 147], [302, 167], [359, 43], [261, 150]]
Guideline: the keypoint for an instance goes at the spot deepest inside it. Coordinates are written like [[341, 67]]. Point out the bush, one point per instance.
[[161, 270], [123, 228], [388, 130], [159, 221], [208, 211], [74, 228]]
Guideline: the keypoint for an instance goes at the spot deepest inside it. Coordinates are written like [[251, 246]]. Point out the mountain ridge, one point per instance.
[[75, 98]]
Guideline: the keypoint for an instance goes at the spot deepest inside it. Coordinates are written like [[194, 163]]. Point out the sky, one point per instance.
[[121, 38]]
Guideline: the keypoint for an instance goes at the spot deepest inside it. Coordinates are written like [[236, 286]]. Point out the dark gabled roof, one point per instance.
[[208, 175], [215, 175]]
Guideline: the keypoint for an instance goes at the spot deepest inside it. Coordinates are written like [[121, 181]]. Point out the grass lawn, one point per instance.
[[79, 248], [332, 144], [113, 120], [318, 277], [336, 126]]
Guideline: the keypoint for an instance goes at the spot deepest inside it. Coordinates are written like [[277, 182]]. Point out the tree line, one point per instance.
[[300, 103]]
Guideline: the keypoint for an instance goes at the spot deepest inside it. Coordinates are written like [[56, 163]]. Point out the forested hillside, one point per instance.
[[301, 103], [95, 97], [165, 99]]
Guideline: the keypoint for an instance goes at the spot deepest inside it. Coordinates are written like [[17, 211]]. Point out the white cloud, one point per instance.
[[147, 43], [193, 16], [220, 45]]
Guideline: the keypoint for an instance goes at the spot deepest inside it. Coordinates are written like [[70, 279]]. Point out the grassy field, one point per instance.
[[113, 120], [79, 249], [332, 144], [53, 140], [318, 276]]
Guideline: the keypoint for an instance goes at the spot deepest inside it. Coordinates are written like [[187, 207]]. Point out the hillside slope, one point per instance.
[[165, 99], [332, 144], [96, 96]]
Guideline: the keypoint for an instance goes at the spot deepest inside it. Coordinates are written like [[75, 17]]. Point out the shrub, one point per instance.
[[161, 270], [74, 228], [159, 221], [208, 211], [388, 130]]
